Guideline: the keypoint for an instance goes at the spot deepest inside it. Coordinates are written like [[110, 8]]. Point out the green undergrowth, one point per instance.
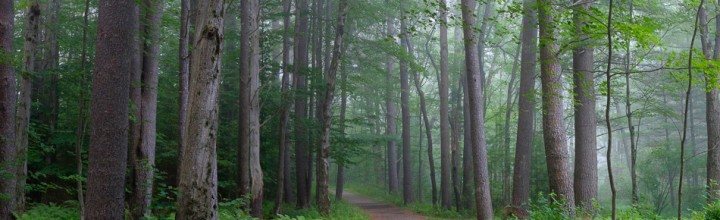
[[425, 209]]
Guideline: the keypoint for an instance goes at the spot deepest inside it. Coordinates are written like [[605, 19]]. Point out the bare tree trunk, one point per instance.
[[250, 76], [184, 76], [144, 159], [405, 109], [468, 198], [82, 118], [8, 151], [445, 153], [455, 143], [107, 158], [324, 154], [553, 129], [32, 35], [585, 176], [428, 135], [340, 183], [483, 201], [506, 130], [608, 81], [391, 129], [300, 63], [712, 106], [633, 147], [198, 197], [281, 193]]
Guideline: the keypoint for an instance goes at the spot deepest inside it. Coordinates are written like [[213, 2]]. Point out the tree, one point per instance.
[[143, 156], [250, 73], [585, 175], [391, 128], [445, 153], [8, 152], [324, 154], [300, 63], [32, 35], [428, 135], [483, 203], [283, 166], [184, 78], [198, 198], [552, 121], [107, 157], [405, 112], [526, 111], [712, 106]]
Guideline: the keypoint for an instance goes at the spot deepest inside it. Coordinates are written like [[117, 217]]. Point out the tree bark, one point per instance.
[[585, 175], [300, 64], [107, 158], [32, 35], [391, 128], [467, 186], [324, 154], [483, 201], [428, 135], [184, 80], [509, 99], [198, 197], [405, 112], [712, 106], [250, 72], [445, 152], [144, 155], [283, 177], [526, 112], [8, 151], [340, 183], [553, 129]]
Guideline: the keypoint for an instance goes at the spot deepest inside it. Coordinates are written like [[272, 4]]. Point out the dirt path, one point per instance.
[[378, 210]]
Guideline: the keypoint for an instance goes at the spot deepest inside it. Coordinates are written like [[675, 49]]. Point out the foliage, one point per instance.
[[710, 211], [69, 210]]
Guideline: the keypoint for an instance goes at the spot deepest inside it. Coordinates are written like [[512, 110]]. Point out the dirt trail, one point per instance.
[[380, 211]]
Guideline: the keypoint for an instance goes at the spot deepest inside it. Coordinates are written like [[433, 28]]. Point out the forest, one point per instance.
[[359, 109]]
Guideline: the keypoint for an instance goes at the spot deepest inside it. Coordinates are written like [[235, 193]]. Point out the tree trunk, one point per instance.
[[281, 193], [405, 109], [506, 130], [445, 153], [324, 154], [455, 142], [712, 106], [467, 186], [428, 135], [526, 112], [82, 118], [107, 158], [300, 64], [483, 201], [144, 159], [250, 76], [553, 129], [8, 152], [585, 175], [184, 76], [32, 35], [391, 129], [198, 197], [340, 183]]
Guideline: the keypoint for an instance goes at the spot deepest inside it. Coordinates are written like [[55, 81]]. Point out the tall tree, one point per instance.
[[250, 74], [340, 182], [553, 129], [143, 156], [405, 112], [283, 167], [32, 35], [526, 111], [198, 197], [391, 128], [107, 158], [8, 152], [184, 78], [467, 187], [585, 175], [300, 63], [712, 106], [445, 153], [330, 76], [82, 115], [629, 113], [428, 135], [483, 203], [608, 124]]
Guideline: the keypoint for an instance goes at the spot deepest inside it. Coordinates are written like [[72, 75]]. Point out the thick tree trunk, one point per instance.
[[144, 159], [300, 64], [428, 135], [585, 175], [198, 197], [184, 82], [250, 72], [553, 129], [32, 35], [482, 182], [405, 109], [526, 112], [8, 152], [391, 128], [107, 158], [455, 143], [445, 152], [324, 154], [467, 186], [282, 175]]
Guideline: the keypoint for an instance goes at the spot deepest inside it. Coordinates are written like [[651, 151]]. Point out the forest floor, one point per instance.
[[379, 210]]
